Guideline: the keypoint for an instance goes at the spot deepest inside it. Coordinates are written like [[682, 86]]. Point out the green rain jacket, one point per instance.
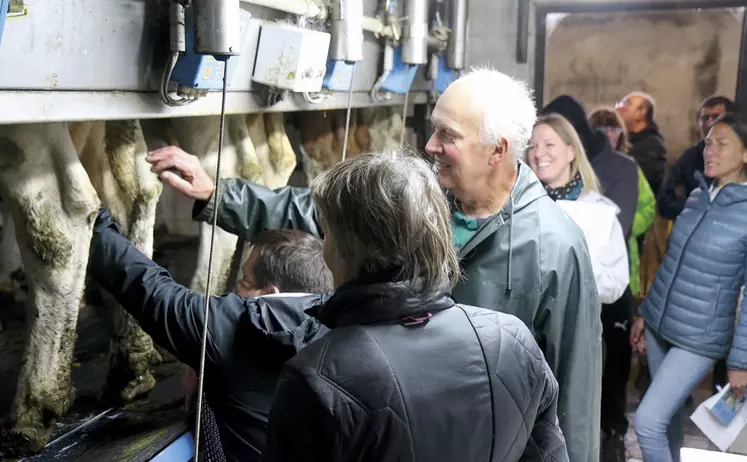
[[529, 260], [644, 217]]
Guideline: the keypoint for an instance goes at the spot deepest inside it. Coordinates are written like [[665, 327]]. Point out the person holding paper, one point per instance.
[[689, 316]]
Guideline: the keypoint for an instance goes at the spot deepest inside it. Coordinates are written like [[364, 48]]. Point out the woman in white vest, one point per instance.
[[557, 156]]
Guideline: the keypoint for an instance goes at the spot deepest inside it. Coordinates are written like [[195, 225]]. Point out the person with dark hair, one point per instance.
[[689, 317], [283, 260], [609, 122], [680, 180], [646, 142], [249, 339]]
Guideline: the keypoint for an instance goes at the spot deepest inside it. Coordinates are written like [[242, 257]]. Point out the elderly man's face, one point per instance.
[[631, 109], [461, 158]]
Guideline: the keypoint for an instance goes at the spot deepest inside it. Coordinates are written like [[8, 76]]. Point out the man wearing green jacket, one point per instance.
[[519, 252]]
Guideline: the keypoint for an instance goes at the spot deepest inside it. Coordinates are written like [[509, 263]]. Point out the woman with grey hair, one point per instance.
[[405, 373]]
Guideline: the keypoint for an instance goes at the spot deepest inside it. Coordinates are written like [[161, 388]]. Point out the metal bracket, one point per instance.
[[16, 8], [522, 32]]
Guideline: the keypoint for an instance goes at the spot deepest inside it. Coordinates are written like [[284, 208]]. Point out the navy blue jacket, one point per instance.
[[249, 340], [681, 175]]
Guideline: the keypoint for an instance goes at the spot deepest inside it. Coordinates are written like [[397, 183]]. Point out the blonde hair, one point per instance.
[[608, 117], [580, 163]]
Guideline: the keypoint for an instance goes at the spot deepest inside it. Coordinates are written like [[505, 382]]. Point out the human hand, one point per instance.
[[637, 339], [737, 380], [189, 387], [182, 171]]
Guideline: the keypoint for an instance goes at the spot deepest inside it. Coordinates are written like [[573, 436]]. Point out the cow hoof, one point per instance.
[[119, 393], [138, 387], [15, 444], [163, 356]]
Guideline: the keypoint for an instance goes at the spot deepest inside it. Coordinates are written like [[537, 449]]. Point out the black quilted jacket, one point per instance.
[[401, 377]]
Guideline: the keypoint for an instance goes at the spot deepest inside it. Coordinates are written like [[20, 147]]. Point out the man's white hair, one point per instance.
[[507, 106]]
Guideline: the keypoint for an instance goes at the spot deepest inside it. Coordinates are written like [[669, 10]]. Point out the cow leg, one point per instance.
[[199, 136], [11, 266], [54, 206], [114, 156]]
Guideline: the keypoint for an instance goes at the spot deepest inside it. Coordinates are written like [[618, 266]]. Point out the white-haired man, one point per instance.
[[520, 253]]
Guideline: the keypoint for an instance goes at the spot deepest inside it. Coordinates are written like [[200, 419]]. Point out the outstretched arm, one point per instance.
[[167, 311], [244, 208]]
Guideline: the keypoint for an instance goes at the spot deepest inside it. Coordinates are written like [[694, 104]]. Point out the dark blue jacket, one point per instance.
[[693, 300], [249, 340], [681, 175]]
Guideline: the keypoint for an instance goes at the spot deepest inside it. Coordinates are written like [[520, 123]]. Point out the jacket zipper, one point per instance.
[[679, 262]]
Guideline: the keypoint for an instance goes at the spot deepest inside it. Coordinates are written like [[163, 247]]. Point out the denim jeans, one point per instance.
[[659, 421]]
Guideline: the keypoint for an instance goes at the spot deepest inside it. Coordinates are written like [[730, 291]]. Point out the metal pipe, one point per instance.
[[217, 27], [177, 29], [347, 31], [300, 7], [415, 44], [522, 32], [456, 50], [387, 66]]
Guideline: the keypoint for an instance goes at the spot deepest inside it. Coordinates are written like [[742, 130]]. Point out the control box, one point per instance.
[[204, 72], [291, 58]]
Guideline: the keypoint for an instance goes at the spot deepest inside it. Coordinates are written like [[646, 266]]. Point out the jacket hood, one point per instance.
[[280, 319], [374, 299], [527, 189], [594, 141]]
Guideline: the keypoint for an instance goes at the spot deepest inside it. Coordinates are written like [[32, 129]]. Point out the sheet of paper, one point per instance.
[[721, 436], [701, 455]]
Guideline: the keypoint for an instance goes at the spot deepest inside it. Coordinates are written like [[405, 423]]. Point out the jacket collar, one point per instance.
[[375, 299], [651, 130]]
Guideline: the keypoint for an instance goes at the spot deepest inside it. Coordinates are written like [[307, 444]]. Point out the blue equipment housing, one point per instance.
[[400, 79], [203, 72], [445, 76], [338, 75]]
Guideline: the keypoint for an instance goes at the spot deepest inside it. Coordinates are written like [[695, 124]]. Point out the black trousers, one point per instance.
[[720, 376], [616, 320]]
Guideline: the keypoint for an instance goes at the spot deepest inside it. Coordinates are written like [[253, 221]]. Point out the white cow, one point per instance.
[[53, 179]]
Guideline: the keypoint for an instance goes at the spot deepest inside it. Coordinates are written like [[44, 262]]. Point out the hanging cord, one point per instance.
[[201, 375], [347, 115]]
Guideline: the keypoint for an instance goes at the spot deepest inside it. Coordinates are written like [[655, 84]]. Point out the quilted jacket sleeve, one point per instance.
[[737, 358], [547, 443]]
